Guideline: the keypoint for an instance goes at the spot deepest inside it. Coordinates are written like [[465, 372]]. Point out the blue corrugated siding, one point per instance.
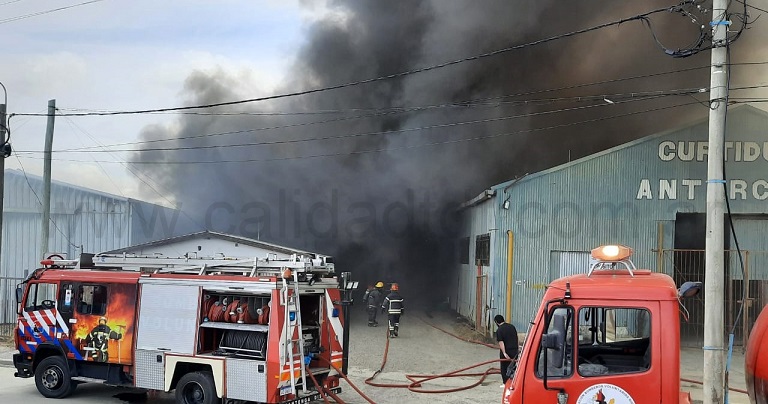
[[593, 201]]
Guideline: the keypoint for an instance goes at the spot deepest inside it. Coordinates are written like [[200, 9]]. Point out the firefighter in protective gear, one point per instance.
[[394, 306], [98, 340], [372, 298]]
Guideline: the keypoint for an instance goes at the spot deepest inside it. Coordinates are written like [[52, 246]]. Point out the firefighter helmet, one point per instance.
[[102, 320], [379, 284], [394, 287]]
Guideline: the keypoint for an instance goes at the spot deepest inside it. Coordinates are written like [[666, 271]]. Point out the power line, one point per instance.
[[9, 2], [493, 102], [25, 16], [751, 6], [638, 17], [73, 125], [387, 112], [497, 135], [139, 177], [83, 111], [386, 132]]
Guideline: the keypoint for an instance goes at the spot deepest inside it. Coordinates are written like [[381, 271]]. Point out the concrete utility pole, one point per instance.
[[714, 333], [3, 135], [47, 177]]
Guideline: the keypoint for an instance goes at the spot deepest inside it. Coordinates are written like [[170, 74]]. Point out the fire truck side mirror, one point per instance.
[[554, 341], [19, 294], [689, 289]]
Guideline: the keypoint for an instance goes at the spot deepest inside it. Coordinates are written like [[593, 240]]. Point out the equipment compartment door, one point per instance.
[[168, 318]]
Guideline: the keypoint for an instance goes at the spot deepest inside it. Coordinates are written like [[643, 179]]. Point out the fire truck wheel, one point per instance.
[[196, 388], [52, 378]]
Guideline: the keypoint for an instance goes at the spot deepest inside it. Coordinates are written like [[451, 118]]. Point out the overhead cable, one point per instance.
[[638, 17], [476, 138]]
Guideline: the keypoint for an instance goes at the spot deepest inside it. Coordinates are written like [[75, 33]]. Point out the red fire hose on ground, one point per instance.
[[416, 381]]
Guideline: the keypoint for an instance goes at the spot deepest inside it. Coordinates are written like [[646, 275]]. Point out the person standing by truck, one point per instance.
[[506, 335]]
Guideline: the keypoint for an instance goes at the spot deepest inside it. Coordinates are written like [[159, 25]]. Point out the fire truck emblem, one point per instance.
[[605, 394]]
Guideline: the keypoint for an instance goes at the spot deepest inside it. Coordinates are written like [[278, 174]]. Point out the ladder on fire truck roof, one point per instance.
[[292, 326], [271, 265]]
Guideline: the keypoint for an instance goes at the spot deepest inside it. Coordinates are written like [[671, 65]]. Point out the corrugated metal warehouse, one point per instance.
[[649, 194], [81, 220]]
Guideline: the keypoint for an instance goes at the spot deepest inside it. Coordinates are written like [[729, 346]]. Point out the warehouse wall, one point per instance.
[[628, 194]]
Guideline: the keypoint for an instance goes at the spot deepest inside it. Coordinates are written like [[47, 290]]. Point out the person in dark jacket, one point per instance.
[[506, 335], [372, 299], [393, 305]]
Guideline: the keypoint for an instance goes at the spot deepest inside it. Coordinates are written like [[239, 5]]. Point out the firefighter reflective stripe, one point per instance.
[[334, 321], [395, 306]]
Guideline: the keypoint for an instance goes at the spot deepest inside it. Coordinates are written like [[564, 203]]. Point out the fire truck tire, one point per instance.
[[52, 378], [196, 388]]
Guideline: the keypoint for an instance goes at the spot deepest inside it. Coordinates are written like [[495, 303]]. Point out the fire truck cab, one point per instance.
[[266, 330], [611, 335]]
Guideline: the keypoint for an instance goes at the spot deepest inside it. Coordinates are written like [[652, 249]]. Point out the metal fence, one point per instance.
[[8, 312], [748, 286]]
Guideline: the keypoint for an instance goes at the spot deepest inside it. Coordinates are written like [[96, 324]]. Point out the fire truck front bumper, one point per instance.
[[23, 365]]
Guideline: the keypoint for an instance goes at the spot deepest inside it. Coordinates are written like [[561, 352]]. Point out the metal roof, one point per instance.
[[36, 178], [527, 177], [211, 234]]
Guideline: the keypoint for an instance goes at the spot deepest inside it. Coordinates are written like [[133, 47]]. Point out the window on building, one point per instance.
[[483, 250], [559, 359], [464, 250], [41, 296], [93, 300], [614, 340]]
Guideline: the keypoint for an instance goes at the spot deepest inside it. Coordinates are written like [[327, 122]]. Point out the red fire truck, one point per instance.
[[210, 328], [611, 335]]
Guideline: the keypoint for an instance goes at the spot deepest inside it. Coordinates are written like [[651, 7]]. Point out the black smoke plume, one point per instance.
[[384, 201]]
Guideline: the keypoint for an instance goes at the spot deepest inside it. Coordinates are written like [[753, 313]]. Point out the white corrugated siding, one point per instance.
[[83, 218]]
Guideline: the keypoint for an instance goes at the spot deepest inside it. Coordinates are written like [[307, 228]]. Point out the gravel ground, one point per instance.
[[419, 349]]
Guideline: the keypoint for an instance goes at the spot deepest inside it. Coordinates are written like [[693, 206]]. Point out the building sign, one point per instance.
[[685, 189]]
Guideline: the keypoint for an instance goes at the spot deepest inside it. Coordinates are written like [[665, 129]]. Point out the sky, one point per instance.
[[125, 55], [120, 55], [371, 173]]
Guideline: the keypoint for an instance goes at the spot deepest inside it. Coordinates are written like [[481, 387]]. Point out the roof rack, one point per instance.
[[613, 265]]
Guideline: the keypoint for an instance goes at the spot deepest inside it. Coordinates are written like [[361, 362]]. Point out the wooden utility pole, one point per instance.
[[714, 333], [47, 177]]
